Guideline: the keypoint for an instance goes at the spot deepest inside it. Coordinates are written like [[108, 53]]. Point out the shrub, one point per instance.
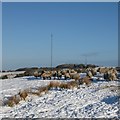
[[4, 77], [19, 75]]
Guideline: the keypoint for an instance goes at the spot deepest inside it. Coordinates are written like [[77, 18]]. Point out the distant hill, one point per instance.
[[118, 69], [26, 69], [62, 66], [75, 66]]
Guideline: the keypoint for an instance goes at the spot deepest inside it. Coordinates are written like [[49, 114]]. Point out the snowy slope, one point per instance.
[[11, 73], [96, 101]]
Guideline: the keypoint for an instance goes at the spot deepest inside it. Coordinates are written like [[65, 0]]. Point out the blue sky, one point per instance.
[[79, 30]]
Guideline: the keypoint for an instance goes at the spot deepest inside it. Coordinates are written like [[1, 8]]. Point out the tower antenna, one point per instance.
[[51, 51], [86, 60]]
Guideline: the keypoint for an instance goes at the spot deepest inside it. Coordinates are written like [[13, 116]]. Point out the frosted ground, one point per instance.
[[100, 100]]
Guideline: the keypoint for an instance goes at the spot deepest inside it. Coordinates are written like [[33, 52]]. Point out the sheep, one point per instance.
[[111, 74], [89, 73], [103, 70], [106, 76], [67, 76], [75, 76], [59, 74], [54, 84], [54, 74], [86, 80], [72, 84], [73, 71], [46, 76], [63, 72], [93, 71], [36, 74]]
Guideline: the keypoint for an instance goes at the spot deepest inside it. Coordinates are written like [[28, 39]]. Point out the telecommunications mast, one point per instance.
[[51, 51]]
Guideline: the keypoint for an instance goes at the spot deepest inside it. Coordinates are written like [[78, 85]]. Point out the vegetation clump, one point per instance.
[[4, 77]]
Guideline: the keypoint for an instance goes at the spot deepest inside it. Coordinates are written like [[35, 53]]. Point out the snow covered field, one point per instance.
[[11, 73], [100, 100]]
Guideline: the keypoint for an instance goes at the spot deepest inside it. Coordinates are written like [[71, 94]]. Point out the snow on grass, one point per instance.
[[100, 100], [12, 86], [11, 73]]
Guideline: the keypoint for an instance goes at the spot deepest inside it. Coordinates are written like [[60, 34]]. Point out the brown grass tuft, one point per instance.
[[54, 84], [23, 94], [43, 89], [87, 81], [64, 86], [72, 84], [13, 100], [35, 93], [16, 99], [10, 103]]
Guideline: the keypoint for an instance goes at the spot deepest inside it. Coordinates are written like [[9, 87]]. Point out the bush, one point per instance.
[[4, 77], [20, 75]]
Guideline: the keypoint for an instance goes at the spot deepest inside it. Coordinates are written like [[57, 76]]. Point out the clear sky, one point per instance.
[[79, 30]]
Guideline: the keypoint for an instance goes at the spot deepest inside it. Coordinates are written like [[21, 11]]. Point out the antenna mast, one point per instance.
[[51, 49], [86, 60]]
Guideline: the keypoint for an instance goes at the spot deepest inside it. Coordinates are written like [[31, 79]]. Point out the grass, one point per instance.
[[54, 84], [35, 93], [10, 103], [43, 89], [23, 94], [111, 86], [64, 86], [14, 100], [4, 77]]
